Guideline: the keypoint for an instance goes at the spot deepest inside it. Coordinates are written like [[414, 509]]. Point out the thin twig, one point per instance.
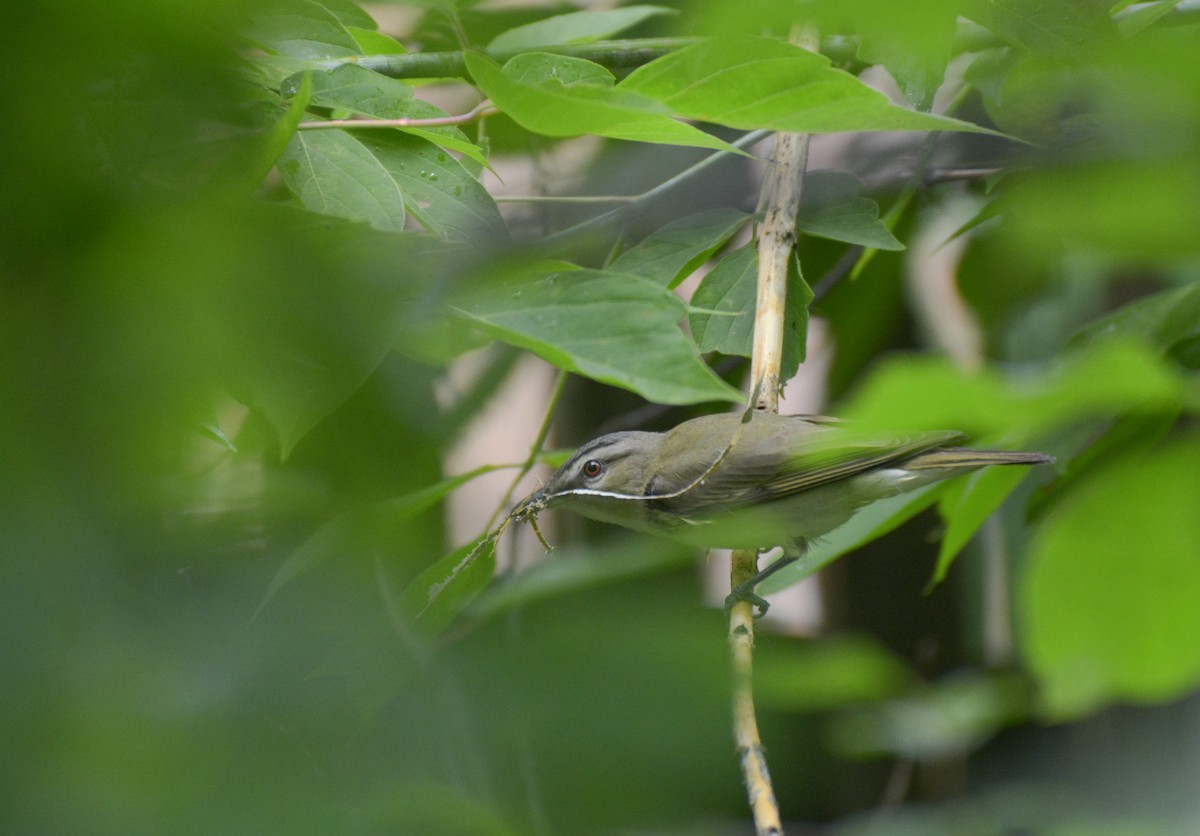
[[615, 215], [534, 449], [481, 111]]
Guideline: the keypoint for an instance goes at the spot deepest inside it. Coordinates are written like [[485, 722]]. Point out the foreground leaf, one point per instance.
[[1108, 598], [576, 27]]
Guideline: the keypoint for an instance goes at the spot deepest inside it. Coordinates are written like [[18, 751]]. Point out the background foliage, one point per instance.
[[224, 329]]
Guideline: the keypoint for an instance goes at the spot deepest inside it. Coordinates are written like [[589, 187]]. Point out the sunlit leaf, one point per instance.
[[530, 90], [576, 27], [751, 83], [305, 29]]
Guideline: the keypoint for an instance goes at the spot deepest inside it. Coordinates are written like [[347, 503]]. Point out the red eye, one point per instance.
[[592, 468]]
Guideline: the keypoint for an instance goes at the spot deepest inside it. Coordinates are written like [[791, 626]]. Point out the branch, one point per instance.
[[776, 241], [614, 55], [481, 111]]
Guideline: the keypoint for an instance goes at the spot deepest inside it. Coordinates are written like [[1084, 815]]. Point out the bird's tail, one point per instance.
[[955, 457]]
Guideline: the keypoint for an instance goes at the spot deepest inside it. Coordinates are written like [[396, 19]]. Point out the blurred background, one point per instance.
[[218, 411]]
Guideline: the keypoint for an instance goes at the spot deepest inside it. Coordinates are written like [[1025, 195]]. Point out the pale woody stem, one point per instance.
[[776, 240]]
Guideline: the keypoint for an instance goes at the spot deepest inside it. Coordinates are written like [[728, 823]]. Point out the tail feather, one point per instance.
[[951, 457]]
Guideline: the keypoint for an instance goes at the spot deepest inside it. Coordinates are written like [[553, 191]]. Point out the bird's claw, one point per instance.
[[743, 593]]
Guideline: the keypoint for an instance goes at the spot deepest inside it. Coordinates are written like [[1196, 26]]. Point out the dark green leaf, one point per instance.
[[833, 207], [731, 290], [302, 29], [361, 531], [435, 597], [437, 190], [580, 568], [334, 174], [614, 328], [672, 253], [351, 87]]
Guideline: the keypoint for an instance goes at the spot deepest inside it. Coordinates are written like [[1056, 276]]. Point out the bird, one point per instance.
[[753, 480]]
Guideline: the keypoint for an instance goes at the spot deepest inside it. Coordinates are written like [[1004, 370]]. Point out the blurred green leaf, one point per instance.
[[576, 27], [833, 207], [966, 506], [306, 29], [755, 83], [1053, 29], [617, 329], [912, 40], [578, 568], [672, 253], [828, 673], [953, 716], [557, 95], [334, 174], [435, 597], [1110, 377], [362, 531], [1108, 596], [871, 523], [1163, 319]]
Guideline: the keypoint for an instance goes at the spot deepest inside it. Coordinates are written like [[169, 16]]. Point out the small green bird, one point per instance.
[[751, 481]]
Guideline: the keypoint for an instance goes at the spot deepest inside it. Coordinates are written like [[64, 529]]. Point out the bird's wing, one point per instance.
[[834, 456]]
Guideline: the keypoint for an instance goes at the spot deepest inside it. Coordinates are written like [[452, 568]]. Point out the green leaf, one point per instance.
[[576, 27], [1163, 319], [302, 29], [354, 88], [375, 43], [871, 523], [752, 83], [673, 252], [1110, 377], [1052, 29], [966, 506], [362, 530], [833, 208], [1108, 597], [531, 91], [579, 568], [617, 329], [912, 40], [333, 174], [730, 290], [435, 597], [303, 346], [438, 191]]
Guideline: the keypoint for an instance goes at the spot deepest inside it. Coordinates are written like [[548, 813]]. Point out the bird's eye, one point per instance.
[[592, 468]]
